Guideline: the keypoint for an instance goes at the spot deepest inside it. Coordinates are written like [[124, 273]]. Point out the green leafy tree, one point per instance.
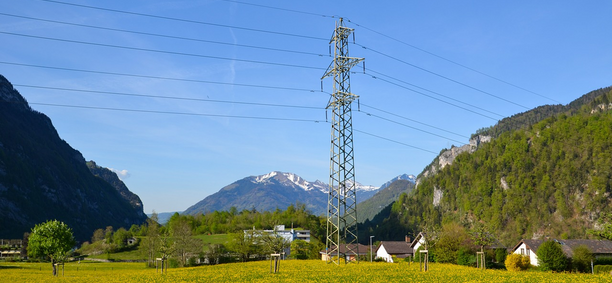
[[582, 258], [300, 249], [51, 240], [451, 239], [551, 257], [186, 245], [150, 244], [243, 244]]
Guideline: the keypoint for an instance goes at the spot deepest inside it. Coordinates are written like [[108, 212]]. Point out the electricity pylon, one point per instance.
[[342, 201]]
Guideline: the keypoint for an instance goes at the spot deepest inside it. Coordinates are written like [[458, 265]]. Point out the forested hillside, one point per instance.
[[43, 178], [552, 178]]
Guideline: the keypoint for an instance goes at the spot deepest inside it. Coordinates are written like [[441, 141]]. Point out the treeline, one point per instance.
[[552, 179], [177, 240], [224, 222]]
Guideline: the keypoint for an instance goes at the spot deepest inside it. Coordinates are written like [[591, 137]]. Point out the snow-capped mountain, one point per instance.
[[273, 190], [407, 177]]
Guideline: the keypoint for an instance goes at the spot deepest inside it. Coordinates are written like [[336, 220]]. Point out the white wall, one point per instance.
[[524, 250], [382, 253]]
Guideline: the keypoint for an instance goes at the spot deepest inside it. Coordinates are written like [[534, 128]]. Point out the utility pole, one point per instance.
[[342, 200]]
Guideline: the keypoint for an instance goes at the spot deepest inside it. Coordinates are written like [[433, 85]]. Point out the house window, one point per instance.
[[528, 250], [522, 251]]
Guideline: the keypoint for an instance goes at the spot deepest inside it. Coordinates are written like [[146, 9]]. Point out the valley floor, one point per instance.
[[290, 271]]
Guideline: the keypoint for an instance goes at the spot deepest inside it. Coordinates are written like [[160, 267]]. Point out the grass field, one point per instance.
[[290, 271]]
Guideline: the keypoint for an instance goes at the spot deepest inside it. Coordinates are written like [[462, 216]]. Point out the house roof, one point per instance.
[[395, 247], [532, 244], [417, 239], [351, 249], [568, 246]]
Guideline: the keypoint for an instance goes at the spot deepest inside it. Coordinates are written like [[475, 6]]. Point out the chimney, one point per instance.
[[407, 239]]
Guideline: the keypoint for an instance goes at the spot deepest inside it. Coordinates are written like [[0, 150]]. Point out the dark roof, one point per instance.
[[568, 246], [395, 247], [352, 248], [532, 244]]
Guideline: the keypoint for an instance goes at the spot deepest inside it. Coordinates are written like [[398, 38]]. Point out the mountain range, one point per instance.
[[275, 190], [43, 178], [542, 173]]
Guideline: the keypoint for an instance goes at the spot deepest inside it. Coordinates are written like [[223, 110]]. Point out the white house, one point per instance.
[[419, 241], [529, 247], [400, 249]]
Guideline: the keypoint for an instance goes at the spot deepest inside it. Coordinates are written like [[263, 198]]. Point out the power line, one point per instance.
[[452, 62], [169, 97], [184, 20], [432, 97], [282, 9], [412, 120], [210, 115], [162, 51], [155, 77], [394, 141], [402, 42], [175, 113], [444, 77], [437, 93], [166, 36], [411, 127]]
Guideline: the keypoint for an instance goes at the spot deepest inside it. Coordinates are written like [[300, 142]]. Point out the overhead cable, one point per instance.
[[451, 61], [155, 77], [162, 51], [166, 36], [184, 20]]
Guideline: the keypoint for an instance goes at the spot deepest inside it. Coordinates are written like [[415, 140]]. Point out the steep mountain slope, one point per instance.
[[42, 177], [550, 178], [387, 194], [271, 191]]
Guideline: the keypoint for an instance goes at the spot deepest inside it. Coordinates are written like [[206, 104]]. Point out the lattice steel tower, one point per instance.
[[341, 204]]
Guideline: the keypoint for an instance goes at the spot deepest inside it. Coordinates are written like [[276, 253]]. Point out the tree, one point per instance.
[[582, 258], [300, 249], [98, 235], [52, 240], [185, 243], [605, 230], [451, 239], [551, 257], [151, 243], [243, 244]]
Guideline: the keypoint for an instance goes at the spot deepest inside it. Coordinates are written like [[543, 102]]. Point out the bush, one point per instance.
[[551, 257], [500, 255], [605, 269], [605, 260], [517, 262], [466, 257], [581, 261]]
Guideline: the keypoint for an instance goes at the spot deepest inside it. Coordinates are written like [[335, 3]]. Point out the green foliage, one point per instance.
[[300, 249], [500, 254], [602, 269], [551, 257], [451, 239], [466, 257], [517, 262], [226, 222], [544, 178], [581, 260], [52, 239], [605, 230]]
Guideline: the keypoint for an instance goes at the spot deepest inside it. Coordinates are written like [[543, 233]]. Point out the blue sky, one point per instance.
[[538, 52]]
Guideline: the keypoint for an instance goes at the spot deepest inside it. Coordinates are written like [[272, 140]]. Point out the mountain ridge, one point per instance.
[[42, 177]]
